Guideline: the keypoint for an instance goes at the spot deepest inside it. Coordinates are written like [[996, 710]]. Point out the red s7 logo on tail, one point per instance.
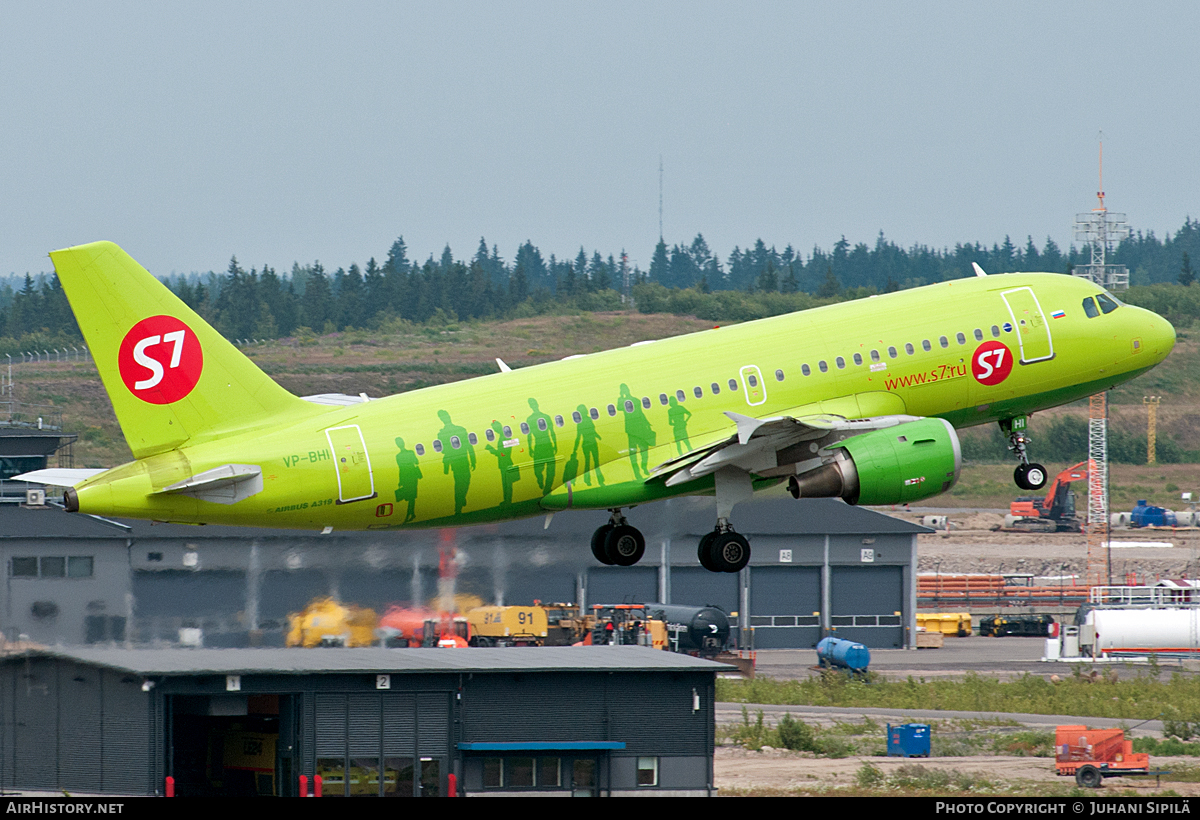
[[160, 360], [991, 363]]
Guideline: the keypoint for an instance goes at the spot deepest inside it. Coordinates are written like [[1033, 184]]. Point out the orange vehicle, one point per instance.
[[1094, 754], [1055, 512]]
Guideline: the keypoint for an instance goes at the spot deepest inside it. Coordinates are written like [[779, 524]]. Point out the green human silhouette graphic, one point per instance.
[[457, 458], [677, 416], [543, 445], [503, 454], [640, 433], [408, 473], [586, 439]]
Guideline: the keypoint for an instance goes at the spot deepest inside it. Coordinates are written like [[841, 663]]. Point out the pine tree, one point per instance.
[[1186, 277]]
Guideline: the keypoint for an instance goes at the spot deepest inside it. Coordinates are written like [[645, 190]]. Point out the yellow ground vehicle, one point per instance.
[[508, 626], [325, 622]]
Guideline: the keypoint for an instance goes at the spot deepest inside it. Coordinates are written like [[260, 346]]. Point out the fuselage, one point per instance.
[[588, 431]]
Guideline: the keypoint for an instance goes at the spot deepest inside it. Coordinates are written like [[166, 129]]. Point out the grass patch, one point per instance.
[[1141, 698]]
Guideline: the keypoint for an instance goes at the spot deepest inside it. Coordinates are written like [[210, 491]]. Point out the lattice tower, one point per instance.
[[1098, 570], [1151, 403]]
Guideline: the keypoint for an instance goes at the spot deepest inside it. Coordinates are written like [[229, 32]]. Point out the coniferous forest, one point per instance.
[[757, 281]]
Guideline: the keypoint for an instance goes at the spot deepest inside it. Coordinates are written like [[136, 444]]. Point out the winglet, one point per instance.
[[503, 367]]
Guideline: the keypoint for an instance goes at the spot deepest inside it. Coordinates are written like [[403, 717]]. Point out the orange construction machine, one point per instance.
[[1094, 754], [1055, 512]]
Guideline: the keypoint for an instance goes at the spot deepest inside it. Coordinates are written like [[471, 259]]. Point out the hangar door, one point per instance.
[[866, 605], [785, 605], [390, 745]]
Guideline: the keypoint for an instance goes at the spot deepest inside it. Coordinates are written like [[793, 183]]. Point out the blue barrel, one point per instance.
[[843, 654]]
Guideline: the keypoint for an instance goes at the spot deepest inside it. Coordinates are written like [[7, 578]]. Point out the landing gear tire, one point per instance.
[[727, 552], [1030, 476], [624, 545], [702, 551], [598, 539]]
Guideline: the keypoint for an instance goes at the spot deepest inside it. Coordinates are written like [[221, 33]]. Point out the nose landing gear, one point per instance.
[[1028, 475]]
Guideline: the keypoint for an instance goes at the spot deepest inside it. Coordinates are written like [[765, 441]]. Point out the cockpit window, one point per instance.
[[1089, 307], [1107, 303]]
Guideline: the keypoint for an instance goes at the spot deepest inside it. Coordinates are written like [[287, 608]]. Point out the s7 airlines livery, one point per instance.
[[857, 400]]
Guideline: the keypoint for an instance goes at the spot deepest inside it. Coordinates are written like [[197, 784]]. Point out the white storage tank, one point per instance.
[[1160, 629]]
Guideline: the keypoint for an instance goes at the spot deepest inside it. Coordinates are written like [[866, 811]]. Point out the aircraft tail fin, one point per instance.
[[171, 377]]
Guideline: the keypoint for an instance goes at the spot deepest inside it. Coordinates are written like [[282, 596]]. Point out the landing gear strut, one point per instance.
[[1027, 476], [618, 542]]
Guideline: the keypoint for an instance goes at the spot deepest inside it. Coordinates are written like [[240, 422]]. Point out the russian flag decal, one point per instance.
[[1058, 314]]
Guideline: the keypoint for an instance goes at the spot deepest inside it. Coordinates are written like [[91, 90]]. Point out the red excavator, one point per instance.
[[1055, 512]]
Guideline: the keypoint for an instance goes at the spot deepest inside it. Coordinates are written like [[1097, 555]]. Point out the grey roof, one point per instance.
[[181, 662]]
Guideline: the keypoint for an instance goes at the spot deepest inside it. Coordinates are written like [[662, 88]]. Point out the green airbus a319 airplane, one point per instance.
[[858, 400]]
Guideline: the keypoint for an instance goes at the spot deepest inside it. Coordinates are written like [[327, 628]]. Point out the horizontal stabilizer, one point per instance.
[[227, 484], [57, 476]]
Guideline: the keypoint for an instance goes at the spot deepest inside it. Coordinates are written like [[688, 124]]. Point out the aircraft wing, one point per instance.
[[57, 476], [774, 446]]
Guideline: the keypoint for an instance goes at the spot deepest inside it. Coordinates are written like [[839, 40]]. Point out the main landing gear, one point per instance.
[[618, 542], [1028, 476]]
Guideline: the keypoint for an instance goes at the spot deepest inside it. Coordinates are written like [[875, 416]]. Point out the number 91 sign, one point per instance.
[[991, 363], [160, 360]]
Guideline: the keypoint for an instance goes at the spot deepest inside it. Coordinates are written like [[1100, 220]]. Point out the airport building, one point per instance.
[[819, 567], [582, 721]]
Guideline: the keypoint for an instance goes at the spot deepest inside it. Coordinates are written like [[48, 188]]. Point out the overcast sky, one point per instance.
[[293, 131]]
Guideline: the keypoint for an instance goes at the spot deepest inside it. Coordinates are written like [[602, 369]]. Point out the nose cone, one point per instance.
[[1160, 337]]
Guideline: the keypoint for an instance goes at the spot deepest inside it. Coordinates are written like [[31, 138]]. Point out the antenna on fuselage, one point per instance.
[[978, 270]]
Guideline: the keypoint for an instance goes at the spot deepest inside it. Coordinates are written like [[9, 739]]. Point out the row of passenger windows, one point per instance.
[[909, 349], [594, 413]]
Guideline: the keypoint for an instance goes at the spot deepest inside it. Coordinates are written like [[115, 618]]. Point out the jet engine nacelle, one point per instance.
[[895, 465]]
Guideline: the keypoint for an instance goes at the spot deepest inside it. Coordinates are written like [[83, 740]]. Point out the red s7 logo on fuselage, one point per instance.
[[991, 363], [160, 360]]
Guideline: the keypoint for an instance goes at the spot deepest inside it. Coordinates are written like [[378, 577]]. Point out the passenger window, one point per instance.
[[778, 375], [612, 409], [909, 349], [995, 332], [926, 346], [858, 358], [874, 355], [943, 341], [733, 385], [752, 379], [962, 340], [507, 431], [698, 392], [628, 406], [1089, 307], [594, 413], [490, 433], [455, 442], [805, 370], [558, 421], [575, 417], [978, 335], [823, 367], [680, 395], [892, 353], [840, 362], [662, 398], [542, 425], [437, 445], [716, 388], [472, 439], [420, 448], [524, 428], [645, 402]]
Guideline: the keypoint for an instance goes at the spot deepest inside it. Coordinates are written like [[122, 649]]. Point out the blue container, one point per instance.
[[908, 740], [843, 654]]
